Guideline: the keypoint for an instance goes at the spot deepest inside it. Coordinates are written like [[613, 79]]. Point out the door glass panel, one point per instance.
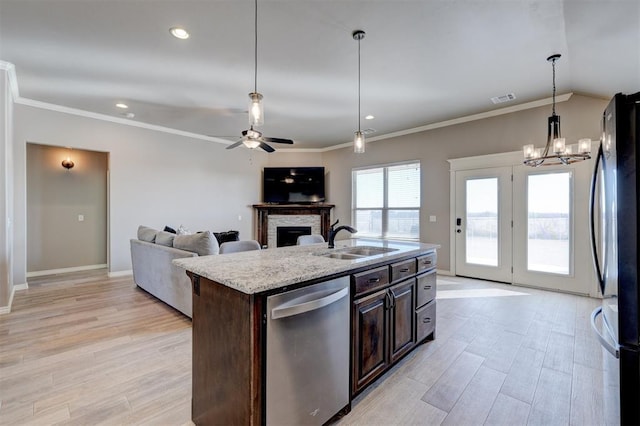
[[482, 221], [549, 222]]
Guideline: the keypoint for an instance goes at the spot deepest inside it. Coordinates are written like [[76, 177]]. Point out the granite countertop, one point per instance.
[[261, 270]]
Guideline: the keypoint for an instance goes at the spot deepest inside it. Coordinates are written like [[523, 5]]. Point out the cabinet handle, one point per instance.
[[404, 270], [374, 280], [427, 287], [392, 297], [426, 262], [426, 320], [387, 297]]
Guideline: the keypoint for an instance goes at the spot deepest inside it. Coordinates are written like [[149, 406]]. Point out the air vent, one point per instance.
[[504, 98], [369, 131]]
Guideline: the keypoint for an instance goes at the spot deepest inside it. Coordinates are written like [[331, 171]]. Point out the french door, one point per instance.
[[483, 223], [523, 225]]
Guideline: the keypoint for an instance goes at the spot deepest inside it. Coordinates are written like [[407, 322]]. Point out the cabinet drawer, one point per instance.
[[371, 280], [426, 290], [402, 270], [427, 262], [425, 321]]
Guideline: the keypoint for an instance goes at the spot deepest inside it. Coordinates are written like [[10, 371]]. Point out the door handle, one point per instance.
[[592, 228], [612, 349], [459, 231]]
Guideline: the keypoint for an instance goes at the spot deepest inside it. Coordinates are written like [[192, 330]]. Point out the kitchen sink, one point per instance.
[[352, 253]]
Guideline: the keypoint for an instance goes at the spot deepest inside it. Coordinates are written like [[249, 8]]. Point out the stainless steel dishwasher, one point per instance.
[[307, 374]]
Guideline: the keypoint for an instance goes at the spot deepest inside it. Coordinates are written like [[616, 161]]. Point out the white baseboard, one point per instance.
[[65, 270], [18, 287], [444, 272], [7, 309], [120, 273]]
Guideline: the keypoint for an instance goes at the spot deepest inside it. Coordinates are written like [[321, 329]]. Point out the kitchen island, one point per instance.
[[391, 292]]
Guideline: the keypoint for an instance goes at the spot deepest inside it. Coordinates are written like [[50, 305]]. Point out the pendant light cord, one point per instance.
[[358, 85], [255, 50], [553, 67]]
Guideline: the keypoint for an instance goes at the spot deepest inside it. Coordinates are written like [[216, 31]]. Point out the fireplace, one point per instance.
[[271, 217], [288, 235]]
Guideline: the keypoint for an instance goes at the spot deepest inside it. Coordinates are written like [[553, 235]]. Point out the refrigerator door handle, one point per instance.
[[612, 349], [592, 221]]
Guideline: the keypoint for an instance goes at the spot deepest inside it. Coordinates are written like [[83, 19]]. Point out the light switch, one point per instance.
[[80, 218], [432, 218]]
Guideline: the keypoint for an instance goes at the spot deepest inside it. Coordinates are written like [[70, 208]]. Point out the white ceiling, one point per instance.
[[422, 61]]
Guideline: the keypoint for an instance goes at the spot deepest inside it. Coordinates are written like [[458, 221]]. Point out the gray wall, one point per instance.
[[580, 115], [6, 188], [155, 178], [56, 238]]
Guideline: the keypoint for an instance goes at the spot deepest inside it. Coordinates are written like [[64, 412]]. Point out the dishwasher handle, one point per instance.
[[312, 305]]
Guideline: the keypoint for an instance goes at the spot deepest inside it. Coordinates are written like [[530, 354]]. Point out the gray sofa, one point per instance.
[[153, 271]]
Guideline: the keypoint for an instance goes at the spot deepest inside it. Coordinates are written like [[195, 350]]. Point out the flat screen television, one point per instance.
[[293, 185]]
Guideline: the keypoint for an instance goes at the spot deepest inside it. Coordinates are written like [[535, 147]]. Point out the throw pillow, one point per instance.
[[204, 243], [165, 238], [169, 229], [147, 234], [224, 237]]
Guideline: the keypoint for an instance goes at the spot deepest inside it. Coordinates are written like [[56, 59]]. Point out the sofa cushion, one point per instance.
[[224, 237], [165, 238], [203, 243], [147, 234]]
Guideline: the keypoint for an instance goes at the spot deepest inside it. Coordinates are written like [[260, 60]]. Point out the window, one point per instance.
[[386, 201]]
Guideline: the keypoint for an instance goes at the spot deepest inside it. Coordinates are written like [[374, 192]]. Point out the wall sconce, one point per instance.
[[68, 164]]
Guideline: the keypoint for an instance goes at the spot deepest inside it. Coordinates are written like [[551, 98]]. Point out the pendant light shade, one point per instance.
[[556, 151], [256, 109], [358, 143], [358, 140]]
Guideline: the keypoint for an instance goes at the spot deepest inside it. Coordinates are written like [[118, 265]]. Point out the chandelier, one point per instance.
[[556, 151]]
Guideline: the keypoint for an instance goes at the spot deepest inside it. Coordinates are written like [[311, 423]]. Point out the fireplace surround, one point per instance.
[[271, 216]]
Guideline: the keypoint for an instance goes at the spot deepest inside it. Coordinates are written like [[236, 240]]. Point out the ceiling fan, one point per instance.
[[253, 139]]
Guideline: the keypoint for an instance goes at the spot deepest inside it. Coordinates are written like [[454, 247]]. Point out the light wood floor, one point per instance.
[[85, 349]]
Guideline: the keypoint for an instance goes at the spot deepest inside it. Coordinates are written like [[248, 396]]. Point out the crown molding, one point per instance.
[[13, 80], [118, 120], [474, 117], [10, 68]]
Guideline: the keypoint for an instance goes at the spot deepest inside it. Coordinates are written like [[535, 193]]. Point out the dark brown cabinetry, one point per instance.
[[393, 310], [370, 321]]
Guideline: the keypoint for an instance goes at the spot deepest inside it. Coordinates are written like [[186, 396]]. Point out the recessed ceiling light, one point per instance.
[[121, 105], [369, 117], [180, 33]]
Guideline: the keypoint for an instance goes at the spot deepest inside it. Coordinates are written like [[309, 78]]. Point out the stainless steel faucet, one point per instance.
[[333, 231]]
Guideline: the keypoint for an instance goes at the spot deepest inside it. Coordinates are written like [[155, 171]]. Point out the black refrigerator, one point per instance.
[[614, 237]]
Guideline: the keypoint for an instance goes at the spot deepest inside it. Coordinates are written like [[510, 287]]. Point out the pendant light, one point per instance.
[[358, 140], [256, 107], [556, 151]]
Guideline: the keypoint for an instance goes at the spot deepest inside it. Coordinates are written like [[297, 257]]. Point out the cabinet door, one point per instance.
[[370, 322], [402, 312]]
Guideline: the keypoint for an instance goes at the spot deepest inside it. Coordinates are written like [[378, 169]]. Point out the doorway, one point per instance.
[[67, 210], [522, 225]]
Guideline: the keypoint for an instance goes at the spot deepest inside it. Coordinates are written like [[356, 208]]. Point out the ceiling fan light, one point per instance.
[[358, 143], [251, 143], [256, 109]]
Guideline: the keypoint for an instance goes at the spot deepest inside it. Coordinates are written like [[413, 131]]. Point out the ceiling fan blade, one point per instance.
[[266, 147], [278, 140], [235, 144]]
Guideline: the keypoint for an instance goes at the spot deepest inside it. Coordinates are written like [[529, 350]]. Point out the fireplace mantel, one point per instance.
[[264, 210]]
